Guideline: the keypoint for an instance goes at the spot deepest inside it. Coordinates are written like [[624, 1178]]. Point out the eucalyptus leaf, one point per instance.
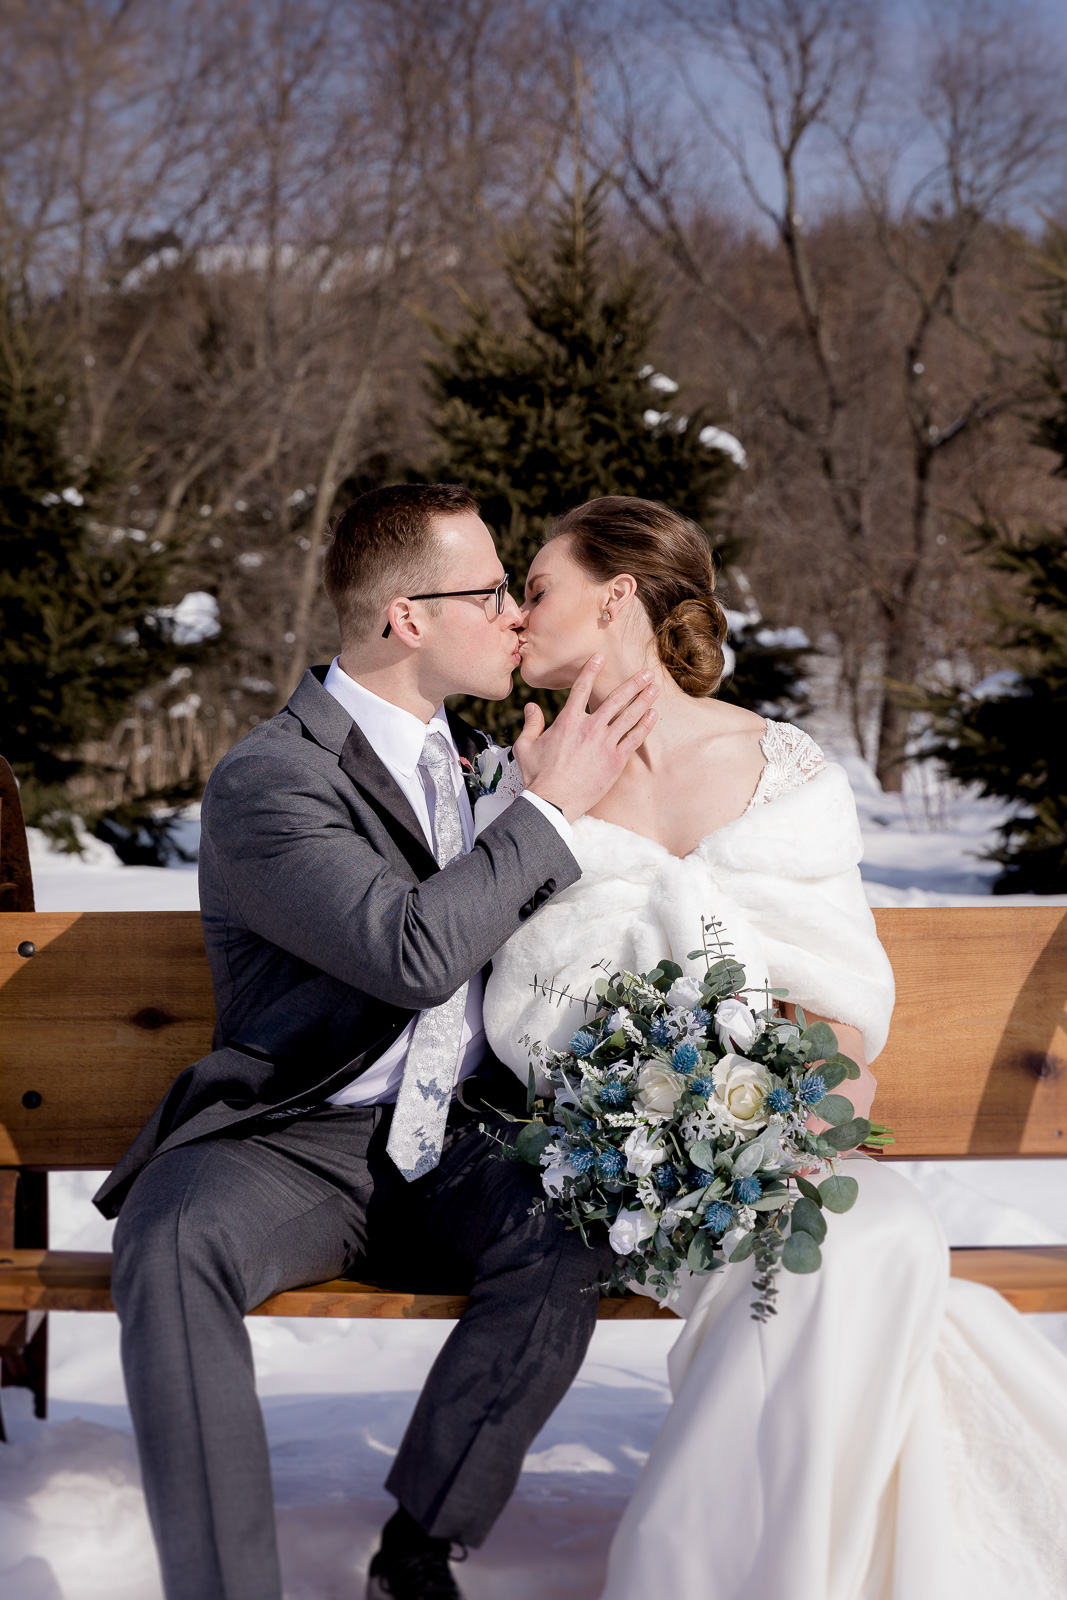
[[701, 1255], [834, 1109], [744, 1248], [600, 988], [848, 1136], [822, 1039], [802, 1020], [671, 970], [838, 1193], [532, 1140], [808, 1218], [770, 1202], [832, 1073], [801, 1253], [809, 1191], [531, 1090], [840, 1060], [617, 1040]]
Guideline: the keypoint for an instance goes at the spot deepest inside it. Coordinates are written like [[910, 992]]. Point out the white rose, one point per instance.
[[740, 1086], [630, 1230], [554, 1177], [642, 1153], [736, 1026], [657, 1089], [684, 993]]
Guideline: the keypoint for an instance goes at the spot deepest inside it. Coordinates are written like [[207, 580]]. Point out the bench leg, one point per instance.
[[24, 1355], [24, 1335]]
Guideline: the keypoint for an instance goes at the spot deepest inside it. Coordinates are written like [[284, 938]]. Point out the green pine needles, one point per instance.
[[1007, 736], [79, 633], [540, 409]]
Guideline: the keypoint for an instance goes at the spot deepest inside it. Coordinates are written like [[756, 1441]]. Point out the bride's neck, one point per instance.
[[675, 710]]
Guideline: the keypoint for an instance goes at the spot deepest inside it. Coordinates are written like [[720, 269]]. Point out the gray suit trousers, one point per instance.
[[210, 1229]]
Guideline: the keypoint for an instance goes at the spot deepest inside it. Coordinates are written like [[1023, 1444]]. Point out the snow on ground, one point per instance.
[[337, 1394]]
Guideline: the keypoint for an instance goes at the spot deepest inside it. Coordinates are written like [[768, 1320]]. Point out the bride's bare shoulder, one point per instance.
[[734, 725]]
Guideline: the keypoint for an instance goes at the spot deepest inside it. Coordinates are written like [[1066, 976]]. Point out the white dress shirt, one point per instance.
[[397, 737]]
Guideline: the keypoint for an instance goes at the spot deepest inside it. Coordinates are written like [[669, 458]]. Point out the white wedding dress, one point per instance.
[[892, 1434]]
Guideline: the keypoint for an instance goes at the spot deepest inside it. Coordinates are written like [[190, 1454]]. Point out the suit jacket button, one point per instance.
[[526, 910]]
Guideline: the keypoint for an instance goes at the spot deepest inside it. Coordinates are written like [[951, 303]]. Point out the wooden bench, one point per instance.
[[99, 1011]]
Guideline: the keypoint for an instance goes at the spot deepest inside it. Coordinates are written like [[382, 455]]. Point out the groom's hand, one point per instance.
[[574, 763]]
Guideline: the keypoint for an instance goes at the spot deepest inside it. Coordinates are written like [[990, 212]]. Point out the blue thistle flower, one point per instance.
[[665, 1178], [614, 1094], [583, 1159], [588, 1127], [583, 1043], [685, 1057], [699, 1179], [661, 1031], [701, 1017], [611, 1164], [779, 1100], [719, 1216], [812, 1090], [704, 1086], [747, 1191]]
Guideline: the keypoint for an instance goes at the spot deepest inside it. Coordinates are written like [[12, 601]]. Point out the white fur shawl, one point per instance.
[[783, 879]]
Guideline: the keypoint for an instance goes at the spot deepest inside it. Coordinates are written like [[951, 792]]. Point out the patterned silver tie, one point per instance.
[[418, 1129]]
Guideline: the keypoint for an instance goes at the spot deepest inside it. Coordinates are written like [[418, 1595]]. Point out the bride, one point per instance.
[[892, 1434]]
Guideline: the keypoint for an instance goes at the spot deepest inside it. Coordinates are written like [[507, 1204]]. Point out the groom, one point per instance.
[[349, 915]]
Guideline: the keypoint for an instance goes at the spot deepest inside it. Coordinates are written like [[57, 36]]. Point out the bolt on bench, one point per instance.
[[99, 1012]]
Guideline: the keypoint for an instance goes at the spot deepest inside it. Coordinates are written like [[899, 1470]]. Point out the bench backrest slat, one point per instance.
[[115, 1004]]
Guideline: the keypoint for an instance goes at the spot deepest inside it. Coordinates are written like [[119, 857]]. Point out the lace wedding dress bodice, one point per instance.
[[792, 757]]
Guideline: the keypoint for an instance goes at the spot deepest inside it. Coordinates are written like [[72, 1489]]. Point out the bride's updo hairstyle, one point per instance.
[[671, 560]]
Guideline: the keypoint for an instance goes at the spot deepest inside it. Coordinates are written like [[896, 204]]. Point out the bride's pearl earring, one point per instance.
[[607, 616]]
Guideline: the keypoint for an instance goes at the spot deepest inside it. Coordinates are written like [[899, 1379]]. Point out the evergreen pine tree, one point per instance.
[[539, 413], [1007, 736], [79, 626]]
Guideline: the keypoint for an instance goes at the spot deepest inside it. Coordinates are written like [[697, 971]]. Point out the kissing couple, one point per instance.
[[373, 939]]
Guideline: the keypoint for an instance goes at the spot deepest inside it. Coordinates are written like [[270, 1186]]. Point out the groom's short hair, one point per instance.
[[384, 546]]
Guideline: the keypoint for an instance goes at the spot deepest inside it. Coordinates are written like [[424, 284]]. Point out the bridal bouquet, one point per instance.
[[677, 1116]]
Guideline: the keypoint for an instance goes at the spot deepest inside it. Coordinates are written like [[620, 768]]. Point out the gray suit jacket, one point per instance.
[[327, 921]]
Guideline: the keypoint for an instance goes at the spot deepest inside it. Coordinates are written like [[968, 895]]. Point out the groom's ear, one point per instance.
[[403, 623]]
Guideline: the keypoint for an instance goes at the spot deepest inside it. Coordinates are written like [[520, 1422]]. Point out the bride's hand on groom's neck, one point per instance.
[[576, 761]]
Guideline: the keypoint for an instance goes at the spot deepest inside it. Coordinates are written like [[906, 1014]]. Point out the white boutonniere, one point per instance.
[[484, 773]]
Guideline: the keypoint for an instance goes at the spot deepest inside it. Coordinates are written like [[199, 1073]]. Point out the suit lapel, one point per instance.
[[374, 781]]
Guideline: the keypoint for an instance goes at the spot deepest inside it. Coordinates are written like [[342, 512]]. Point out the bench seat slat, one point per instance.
[[1031, 1278]]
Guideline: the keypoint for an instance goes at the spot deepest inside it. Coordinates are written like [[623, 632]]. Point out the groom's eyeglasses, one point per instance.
[[494, 599]]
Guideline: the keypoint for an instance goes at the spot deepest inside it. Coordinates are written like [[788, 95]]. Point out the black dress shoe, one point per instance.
[[412, 1575]]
